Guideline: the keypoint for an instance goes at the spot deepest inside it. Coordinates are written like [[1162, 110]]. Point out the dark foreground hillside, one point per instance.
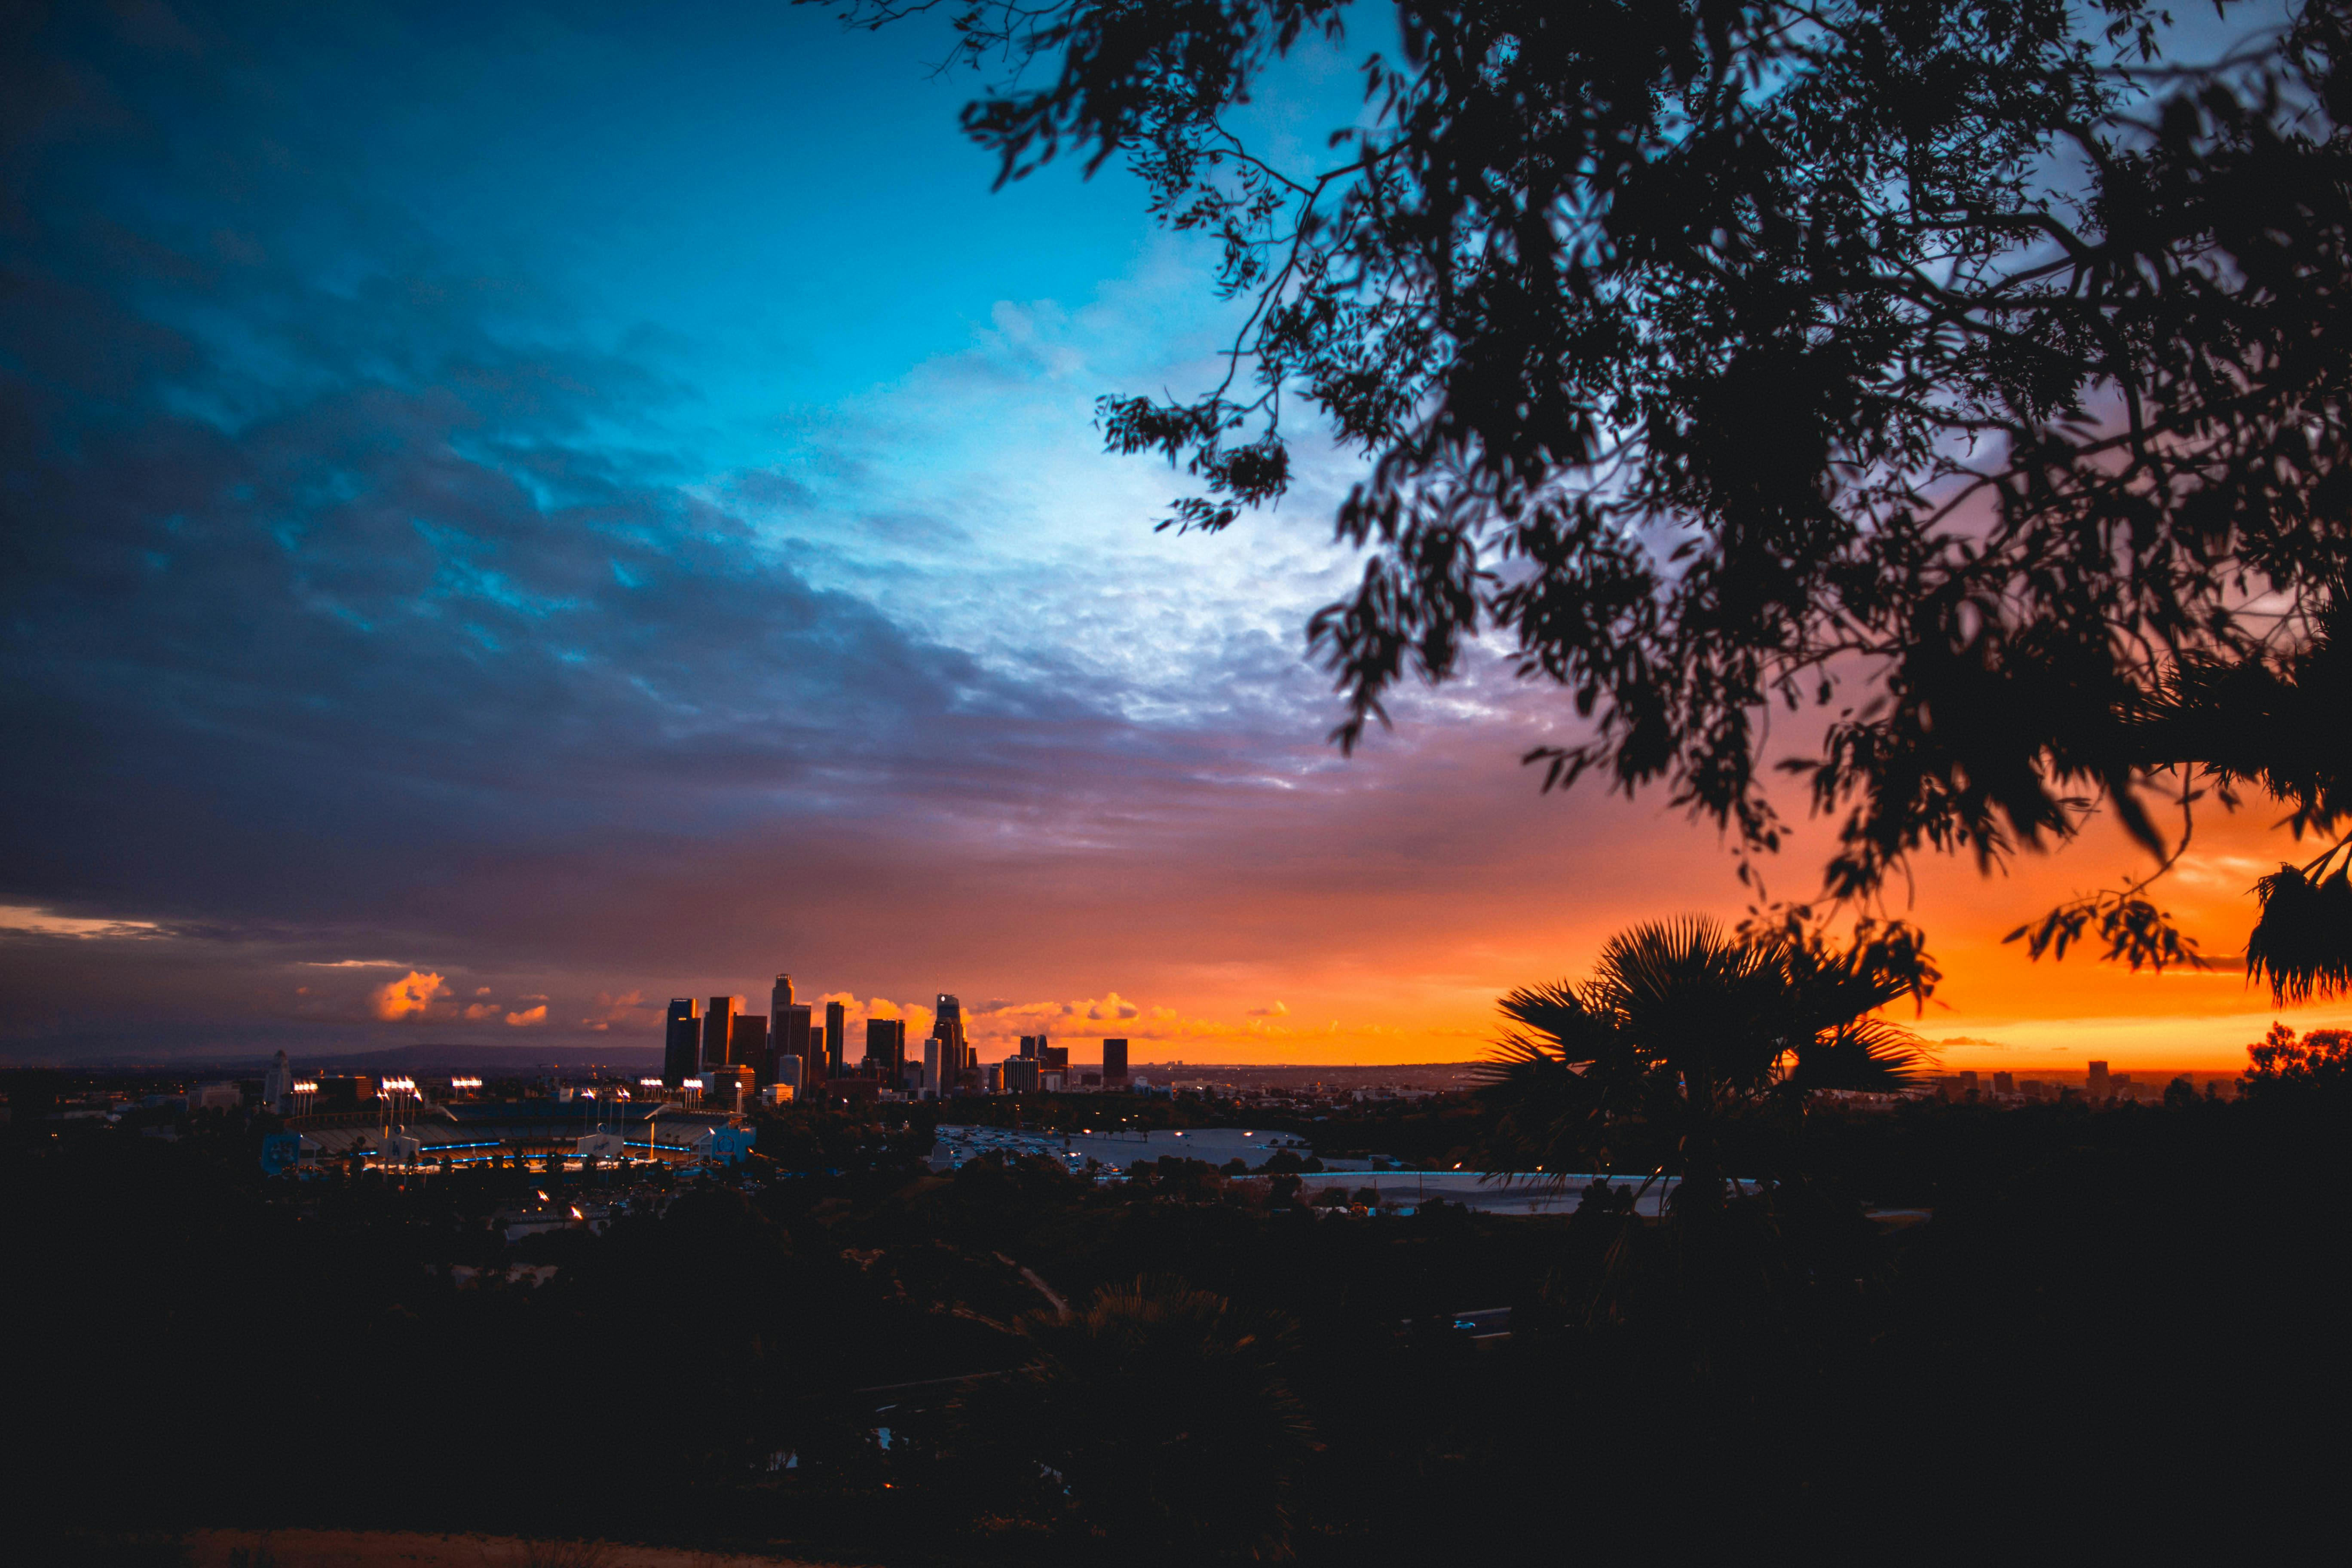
[[2112, 1319]]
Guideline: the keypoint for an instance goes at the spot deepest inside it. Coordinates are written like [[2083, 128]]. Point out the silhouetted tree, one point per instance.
[[1683, 1025], [1161, 1412], [2281, 1065], [1971, 372]]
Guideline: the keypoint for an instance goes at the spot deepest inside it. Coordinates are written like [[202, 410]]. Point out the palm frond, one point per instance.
[[1865, 1053]]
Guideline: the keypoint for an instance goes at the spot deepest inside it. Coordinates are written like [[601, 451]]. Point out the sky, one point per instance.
[[509, 514]]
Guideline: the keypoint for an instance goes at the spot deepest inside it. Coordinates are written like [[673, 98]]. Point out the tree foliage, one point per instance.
[[2282, 1064], [1682, 1025], [1969, 378], [1163, 1418]]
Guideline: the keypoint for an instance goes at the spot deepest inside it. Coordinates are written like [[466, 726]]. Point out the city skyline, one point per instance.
[[446, 606]]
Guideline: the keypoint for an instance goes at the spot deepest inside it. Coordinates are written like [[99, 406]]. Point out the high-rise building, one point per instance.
[[682, 1043], [789, 1032], [886, 1047], [1021, 1075], [1052, 1058], [747, 1046], [1030, 1044], [718, 1030], [932, 1063], [2096, 1086], [1114, 1073], [278, 1084], [947, 1027], [2002, 1083], [836, 1038], [955, 1057]]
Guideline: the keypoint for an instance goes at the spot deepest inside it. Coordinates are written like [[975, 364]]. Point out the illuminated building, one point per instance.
[[789, 1032], [1021, 1075], [682, 1041], [717, 1030], [729, 1088], [955, 1056], [1114, 1072], [836, 1039]]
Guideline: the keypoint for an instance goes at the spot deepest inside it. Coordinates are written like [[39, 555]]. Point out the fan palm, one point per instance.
[[1683, 1025]]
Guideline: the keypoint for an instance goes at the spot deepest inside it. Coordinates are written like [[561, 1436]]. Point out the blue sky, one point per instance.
[[476, 472], [561, 506]]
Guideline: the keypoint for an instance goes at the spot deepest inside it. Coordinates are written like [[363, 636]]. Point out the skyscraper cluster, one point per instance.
[[736, 1054], [721, 1041]]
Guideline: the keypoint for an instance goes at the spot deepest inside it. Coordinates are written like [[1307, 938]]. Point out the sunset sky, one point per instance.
[[516, 513]]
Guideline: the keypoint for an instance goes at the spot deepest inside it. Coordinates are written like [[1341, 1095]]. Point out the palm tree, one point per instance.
[[1682, 1025]]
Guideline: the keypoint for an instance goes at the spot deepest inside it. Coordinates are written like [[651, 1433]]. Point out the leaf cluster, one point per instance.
[[1968, 378], [1682, 1025]]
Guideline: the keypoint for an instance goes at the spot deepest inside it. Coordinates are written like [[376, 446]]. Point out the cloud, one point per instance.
[[1112, 1006], [40, 923], [1276, 1011], [483, 1010], [527, 1018], [407, 997]]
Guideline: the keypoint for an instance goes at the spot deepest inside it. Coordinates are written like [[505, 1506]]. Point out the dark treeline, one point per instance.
[[2128, 1313]]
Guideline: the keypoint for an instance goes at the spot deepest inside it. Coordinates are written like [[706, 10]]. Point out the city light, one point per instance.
[[691, 1083], [464, 1083], [650, 1083]]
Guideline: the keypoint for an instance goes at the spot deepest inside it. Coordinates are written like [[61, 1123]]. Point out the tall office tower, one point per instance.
[[1029, 1044], [836, 1039], [956, 1057], [886, 1047], [1114, 1062], [747, 1047], [2096, 1086], [718, 1030], [278, 1084], [789, 1032], [932, 1063], [791, 1036], [682, 1046]]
